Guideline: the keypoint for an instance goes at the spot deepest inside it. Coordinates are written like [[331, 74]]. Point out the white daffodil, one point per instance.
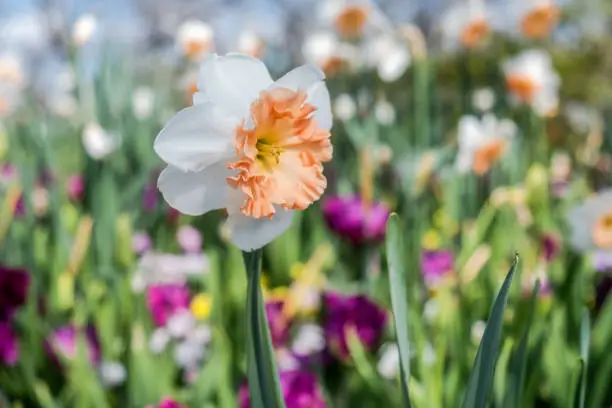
[[195, 39], [591, 223], [483, 99], [345, 107], [531, 79], [351, 19], [84, 29], [482, 142], [250, 43], [532, 19], [384, 112], [98, 142], [325, 50], [249, 145], [143, 102], [465, 25], [388, 54], [388, 364]]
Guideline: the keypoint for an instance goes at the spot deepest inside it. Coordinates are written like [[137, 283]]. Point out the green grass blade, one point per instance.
[[585, 340], [481, 377], [399, 301], [518, 365], [262, 375]]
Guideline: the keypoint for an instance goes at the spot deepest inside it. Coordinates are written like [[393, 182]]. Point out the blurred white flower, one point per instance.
[[384, 112], [482, 142], [388, 54], [180, 324], [13, 80], [431, 310], [98, 142], [159, 340], [188, 353], [308, 340], [250, 43], [532, 19], [112, 373], [477, 331], [143, 102], [351, 19], [581, 117], [25, 33], [248, 162], [483, 99], [201, 334], [326, 51], [591, 223], [388, 364], [156, 268], [195, 39], [345, 107], [285, 360], [84, 29], [531, 79], [464, 24]]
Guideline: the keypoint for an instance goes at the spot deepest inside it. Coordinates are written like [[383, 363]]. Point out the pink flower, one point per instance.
[[164, 301]]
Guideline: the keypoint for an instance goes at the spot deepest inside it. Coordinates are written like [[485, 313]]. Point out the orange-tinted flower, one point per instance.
[[351, 20], [540, 21], [474, 33], [602, 231]]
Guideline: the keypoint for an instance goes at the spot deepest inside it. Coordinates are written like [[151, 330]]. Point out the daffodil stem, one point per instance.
[[262, 375]]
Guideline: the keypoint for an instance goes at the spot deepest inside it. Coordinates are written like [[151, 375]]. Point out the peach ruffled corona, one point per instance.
[[474, 33], [351, 20], [539, 22], [249, 146], [280, 157]]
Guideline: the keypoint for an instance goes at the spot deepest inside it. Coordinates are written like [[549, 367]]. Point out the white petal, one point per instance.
[[249, 233], [195, 193], [318, 96], [233, 81], [300, 78], [308, 78], [196, 137]]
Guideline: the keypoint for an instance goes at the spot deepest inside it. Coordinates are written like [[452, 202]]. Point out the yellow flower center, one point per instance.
[[280, 154], [539, 22], [201, 306], [350, 22], [602, 232], [475, 32]]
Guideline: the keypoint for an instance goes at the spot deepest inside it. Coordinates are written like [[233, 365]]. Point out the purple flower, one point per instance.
[[169, 403], [75, 187], [435, 266], [164, 301], [150, 198], [603, 261], [300, 390], [277, 321], [63, 343], [189, 239], [14, 283], [141, 242], [551, 246], [350, 218], [351, 312], [9, 347]]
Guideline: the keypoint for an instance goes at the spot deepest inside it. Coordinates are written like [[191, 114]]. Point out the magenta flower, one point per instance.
[[551, 246], [164, 301], [351, 312], [351, 219], [169, 403], [9, 347], [14, 284], [435, 266], [300, 390], [75, 187], [189, 239], [278, 323], [62, 343], [150, 198]]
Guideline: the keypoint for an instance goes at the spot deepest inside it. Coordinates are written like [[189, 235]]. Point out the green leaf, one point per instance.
[[262, 375], [481, 376], [399, 301], [518, 364], [585, 339]]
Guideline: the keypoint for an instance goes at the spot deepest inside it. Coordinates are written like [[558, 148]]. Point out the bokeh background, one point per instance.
[[486, 125]]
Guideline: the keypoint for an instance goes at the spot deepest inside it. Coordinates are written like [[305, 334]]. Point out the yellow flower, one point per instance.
[[201, 306], [431, 240]]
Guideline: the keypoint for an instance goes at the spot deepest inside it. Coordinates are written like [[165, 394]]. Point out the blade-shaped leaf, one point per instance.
[[585, 340], [262, 375], [481, 376], [518, 365], [399, 301]]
